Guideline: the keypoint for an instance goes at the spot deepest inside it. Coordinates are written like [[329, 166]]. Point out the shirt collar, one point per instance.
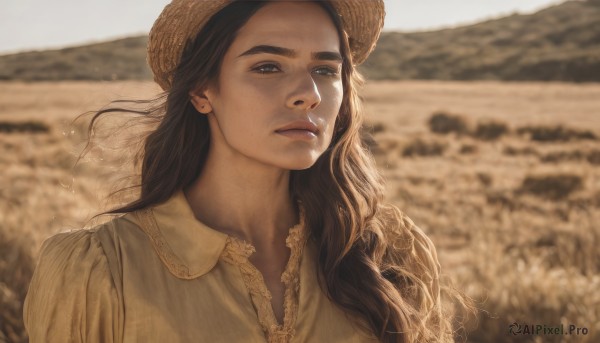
[[186, 246]]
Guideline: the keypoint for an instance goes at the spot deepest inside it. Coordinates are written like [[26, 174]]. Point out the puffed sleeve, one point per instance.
[[72, 296]]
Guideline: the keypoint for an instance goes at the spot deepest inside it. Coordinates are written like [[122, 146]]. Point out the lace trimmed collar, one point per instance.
[[188, 247]]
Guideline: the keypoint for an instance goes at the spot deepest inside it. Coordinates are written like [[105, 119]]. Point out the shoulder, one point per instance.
[[73, 248], [86, 245], [72, 256], [78, 256], [76, 275], [91, 248]]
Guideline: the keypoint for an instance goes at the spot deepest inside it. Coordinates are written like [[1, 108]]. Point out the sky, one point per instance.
[[42, 24]]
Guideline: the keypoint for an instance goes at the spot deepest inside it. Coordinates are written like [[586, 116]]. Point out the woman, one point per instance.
[[260, 216]]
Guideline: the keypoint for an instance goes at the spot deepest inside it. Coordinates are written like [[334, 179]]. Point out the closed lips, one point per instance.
[[300, 125]]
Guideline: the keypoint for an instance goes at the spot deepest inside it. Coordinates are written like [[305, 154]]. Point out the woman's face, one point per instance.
[[283, 67]]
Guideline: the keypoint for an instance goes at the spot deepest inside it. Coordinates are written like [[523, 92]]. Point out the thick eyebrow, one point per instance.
[[277, 50], [327, 56]]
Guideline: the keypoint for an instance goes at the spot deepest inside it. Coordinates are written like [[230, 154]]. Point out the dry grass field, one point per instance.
[[505, 178]]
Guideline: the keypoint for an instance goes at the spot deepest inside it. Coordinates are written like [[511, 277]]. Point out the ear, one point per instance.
[[200, 102]]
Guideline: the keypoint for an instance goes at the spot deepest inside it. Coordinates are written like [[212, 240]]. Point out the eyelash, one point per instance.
[[332, 72]]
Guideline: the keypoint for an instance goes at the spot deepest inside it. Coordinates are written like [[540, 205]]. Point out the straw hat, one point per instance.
[[181, 20]]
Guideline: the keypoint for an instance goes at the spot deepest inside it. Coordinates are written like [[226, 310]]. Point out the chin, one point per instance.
[[300, 163], [299, 166]]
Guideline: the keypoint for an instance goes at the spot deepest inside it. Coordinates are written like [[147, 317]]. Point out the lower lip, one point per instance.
[[298, 134]]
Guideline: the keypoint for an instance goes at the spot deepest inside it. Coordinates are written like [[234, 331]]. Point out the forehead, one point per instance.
[[293, 24]]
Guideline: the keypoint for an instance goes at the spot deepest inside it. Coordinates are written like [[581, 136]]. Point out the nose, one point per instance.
[[305, 95]]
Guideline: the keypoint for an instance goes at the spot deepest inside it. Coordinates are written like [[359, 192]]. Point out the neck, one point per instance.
[[247, 200]]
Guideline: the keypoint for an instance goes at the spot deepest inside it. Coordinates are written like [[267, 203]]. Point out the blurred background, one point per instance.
[[483, 117]]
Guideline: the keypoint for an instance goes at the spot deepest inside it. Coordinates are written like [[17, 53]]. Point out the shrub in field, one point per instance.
[[552, 187], [420, 147], [594, 157], [513, 151], [583, 135], [485, 179], [444, 123], [468, 149], [501, 199], [568, 249], [23, 127], [556, 133], [490, 131], [596, 199], [560, 156]]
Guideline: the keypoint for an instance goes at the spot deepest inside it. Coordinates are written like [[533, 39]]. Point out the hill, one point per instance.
[[123, 59], [559, 43]]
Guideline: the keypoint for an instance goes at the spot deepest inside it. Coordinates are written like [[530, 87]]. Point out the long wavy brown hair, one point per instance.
[[373, 262]]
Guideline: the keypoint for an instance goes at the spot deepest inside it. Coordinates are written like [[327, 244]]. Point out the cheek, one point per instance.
[[335, 96], [248, 96], [244, 110], [338, 98]]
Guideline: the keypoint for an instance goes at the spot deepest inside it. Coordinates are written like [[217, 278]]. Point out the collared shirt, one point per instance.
[[160, 275]]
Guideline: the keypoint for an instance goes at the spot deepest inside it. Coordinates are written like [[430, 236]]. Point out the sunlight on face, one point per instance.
[[283, 67]]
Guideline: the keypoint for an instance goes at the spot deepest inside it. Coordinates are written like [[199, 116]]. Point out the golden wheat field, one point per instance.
[[504, 177]]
